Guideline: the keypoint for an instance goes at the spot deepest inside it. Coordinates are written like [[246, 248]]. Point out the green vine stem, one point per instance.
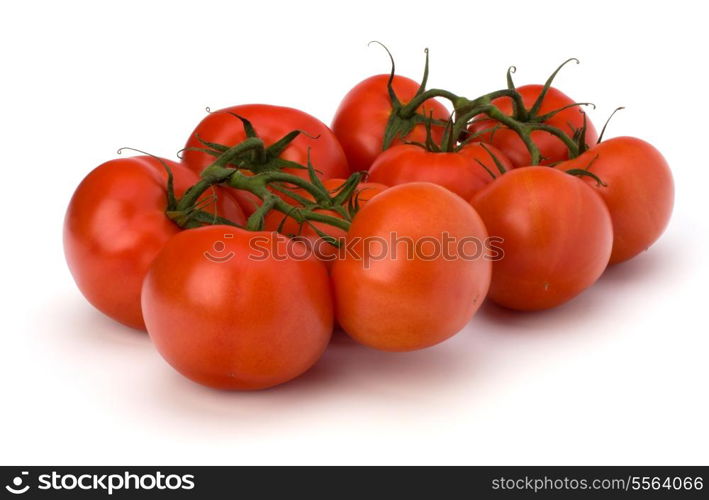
[[523, 121], [258, 184], [466, 110], [217, 172], [193, 215]]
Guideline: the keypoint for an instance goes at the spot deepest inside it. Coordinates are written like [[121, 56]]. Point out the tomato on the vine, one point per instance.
[[271, 123], [552, 148], [555, 236], [637, 187], [416, 271], [459, 171], [234, 309], [364, 113], [116, 223]]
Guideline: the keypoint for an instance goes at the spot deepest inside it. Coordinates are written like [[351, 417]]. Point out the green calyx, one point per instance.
[[525, 120], [448, 143], [229, 168], [403, 118], [585, 171], [522, 121], [267, 181], [255, 155], [605, 125], [187, 212], [264, 184]]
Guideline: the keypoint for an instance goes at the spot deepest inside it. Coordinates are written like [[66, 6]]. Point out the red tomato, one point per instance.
[[271, 124], [275, 220], [362, 117], [638, 191], [556, 237], [116, 224], [551, 147], [458, 171], [416, 272], [227, 311]]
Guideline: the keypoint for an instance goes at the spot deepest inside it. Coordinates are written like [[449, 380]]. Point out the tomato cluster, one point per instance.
[[395, 225]]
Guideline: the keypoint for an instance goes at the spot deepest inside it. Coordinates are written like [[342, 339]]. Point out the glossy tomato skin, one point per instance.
[[393, 300], [555, 237], [458, 171], [638, 191], [552, 149], [271, 124], [227, 312], [361, 118], [115, 225]]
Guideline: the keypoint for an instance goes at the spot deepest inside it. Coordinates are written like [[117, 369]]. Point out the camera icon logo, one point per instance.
[[218, 253], [16, 488]]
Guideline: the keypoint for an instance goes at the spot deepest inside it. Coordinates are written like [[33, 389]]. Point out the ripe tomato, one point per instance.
[[363, 114], [226, 310], [638, 191], [552, 149], [271, 124], [116, 224], [556, 237], [416, 270], [458, 171]]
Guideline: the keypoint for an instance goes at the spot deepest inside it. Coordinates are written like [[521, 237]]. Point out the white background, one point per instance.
[[618, 376]]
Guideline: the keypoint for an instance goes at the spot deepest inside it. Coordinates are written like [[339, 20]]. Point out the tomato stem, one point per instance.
[[547, 85], [216, 173], [408, 110], [257, 184], [605, 125], [404, 117]]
